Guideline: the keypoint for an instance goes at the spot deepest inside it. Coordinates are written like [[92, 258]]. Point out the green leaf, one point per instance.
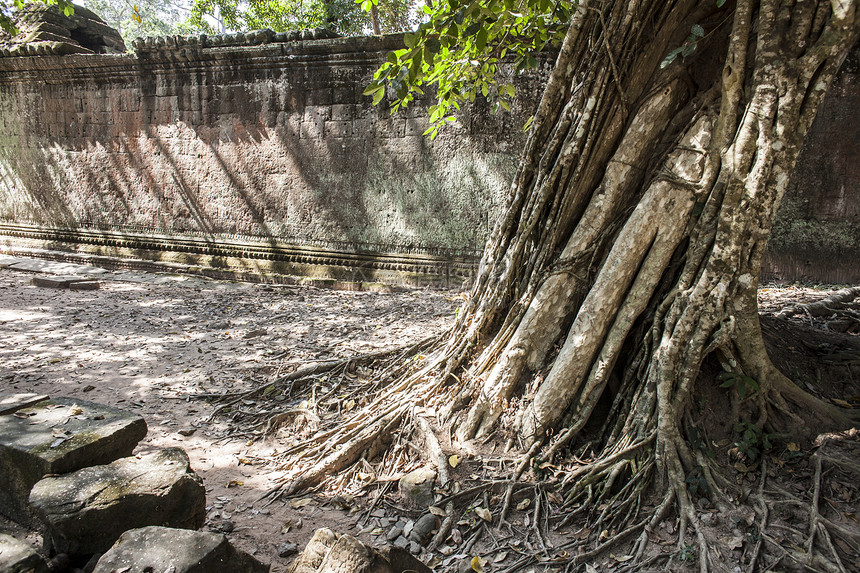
[[410, 40], [752, 383], [372, 88], [720, 3], [377, 96], [670, 57], [433, 44], [481, 39], [697, 30], [528, 123], [472, 29]]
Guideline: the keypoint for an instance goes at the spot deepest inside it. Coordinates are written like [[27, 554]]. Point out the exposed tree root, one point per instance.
[[841, 309]]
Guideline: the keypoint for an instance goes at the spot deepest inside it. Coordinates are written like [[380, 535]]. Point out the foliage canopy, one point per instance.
[[342, 16], [459, 49]]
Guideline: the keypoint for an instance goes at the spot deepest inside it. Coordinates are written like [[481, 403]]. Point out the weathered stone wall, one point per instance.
[[214, 153], [267, 157]]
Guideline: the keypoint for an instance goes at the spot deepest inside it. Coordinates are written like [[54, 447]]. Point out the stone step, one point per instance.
[[86, 511], [159, 549], [57, 436]]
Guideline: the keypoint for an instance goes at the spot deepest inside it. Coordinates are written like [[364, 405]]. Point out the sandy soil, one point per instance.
[[144, 341]]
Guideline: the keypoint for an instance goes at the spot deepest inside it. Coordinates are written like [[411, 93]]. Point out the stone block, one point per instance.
[[178, 550], [18, 557], [57, 436], [86, 511], [10, 403]]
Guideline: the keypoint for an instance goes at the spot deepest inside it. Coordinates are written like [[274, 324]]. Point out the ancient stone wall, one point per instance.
[[817, 232], [211, 151], [259, 152]]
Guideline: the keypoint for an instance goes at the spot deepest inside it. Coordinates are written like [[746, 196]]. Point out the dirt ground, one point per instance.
[[145, 342]]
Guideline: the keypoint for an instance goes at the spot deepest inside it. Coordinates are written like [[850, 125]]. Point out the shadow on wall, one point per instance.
[[284, 154]]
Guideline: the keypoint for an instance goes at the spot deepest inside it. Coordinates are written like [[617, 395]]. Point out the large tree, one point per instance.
[[630, 248]]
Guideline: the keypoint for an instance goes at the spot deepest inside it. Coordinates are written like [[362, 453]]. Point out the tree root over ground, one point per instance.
[[786, 509]]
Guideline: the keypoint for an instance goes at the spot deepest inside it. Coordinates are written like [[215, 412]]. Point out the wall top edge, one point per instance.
[[189, 49]]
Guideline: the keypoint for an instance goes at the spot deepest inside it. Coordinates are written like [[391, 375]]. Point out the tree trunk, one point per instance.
[[630, 167], [631, 244]]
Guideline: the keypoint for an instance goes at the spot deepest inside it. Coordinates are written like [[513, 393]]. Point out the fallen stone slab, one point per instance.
[[57, 436], [86, 511], [18, 557], [6, 261], [70, 282], [157, 549], [55, 267], [10, 403]]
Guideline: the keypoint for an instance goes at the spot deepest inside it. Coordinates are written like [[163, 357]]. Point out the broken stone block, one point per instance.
[[18, 557], [10, 403], [58, 436], [416, 488], [154, 548], [315, 551], [328, 552], [86, 511]]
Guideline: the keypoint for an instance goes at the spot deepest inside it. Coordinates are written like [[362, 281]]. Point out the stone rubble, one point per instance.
[[57, 436], [82, 508]]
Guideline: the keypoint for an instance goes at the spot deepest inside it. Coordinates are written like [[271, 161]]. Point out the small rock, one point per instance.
[[395, 532], [407, 529], [223, 526], [89, 388], [414, 548], [187, 431], [256, 332], [287, 549], [401, 542], [423, 528]]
